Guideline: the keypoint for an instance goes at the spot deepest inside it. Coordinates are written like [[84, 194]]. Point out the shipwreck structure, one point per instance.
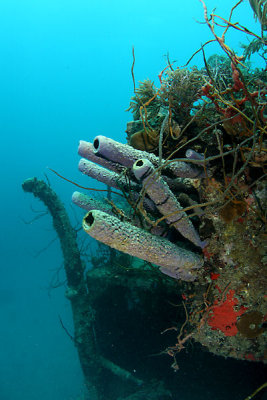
[[185, 218]]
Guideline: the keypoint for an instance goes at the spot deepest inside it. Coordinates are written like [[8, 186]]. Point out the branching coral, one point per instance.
[[180, 90], [144, 93]]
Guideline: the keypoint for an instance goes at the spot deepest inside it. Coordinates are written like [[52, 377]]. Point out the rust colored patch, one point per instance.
[[249, 324], [233, 210]]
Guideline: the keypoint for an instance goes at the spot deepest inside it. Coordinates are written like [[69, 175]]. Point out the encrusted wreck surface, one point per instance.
[[187, 197], [194, 172]]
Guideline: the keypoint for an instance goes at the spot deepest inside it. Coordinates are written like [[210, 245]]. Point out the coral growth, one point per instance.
[[194, 171], [223, 315]]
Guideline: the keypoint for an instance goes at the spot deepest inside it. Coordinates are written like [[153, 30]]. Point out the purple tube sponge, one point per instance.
[[114, 180], [158, 191], [126, 155], [110, 178], [88, 203], [193, 155], [86, 150], [176, 262]]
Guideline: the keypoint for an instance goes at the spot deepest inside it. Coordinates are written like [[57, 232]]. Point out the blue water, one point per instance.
[[65, 73]]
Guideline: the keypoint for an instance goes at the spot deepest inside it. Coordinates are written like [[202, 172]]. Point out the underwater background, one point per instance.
[[65, 72]]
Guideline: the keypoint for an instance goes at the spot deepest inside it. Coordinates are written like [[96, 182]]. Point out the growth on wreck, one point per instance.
[[192, 200], [212, 120]]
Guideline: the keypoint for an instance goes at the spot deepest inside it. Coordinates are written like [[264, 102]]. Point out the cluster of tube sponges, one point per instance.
[[107, 160]]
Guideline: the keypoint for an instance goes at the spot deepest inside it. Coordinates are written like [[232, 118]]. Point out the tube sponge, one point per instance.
[[158, 191], [110, 178], [126, 155], [86, 150], [193, 155], [123, 236], [88, 203]]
